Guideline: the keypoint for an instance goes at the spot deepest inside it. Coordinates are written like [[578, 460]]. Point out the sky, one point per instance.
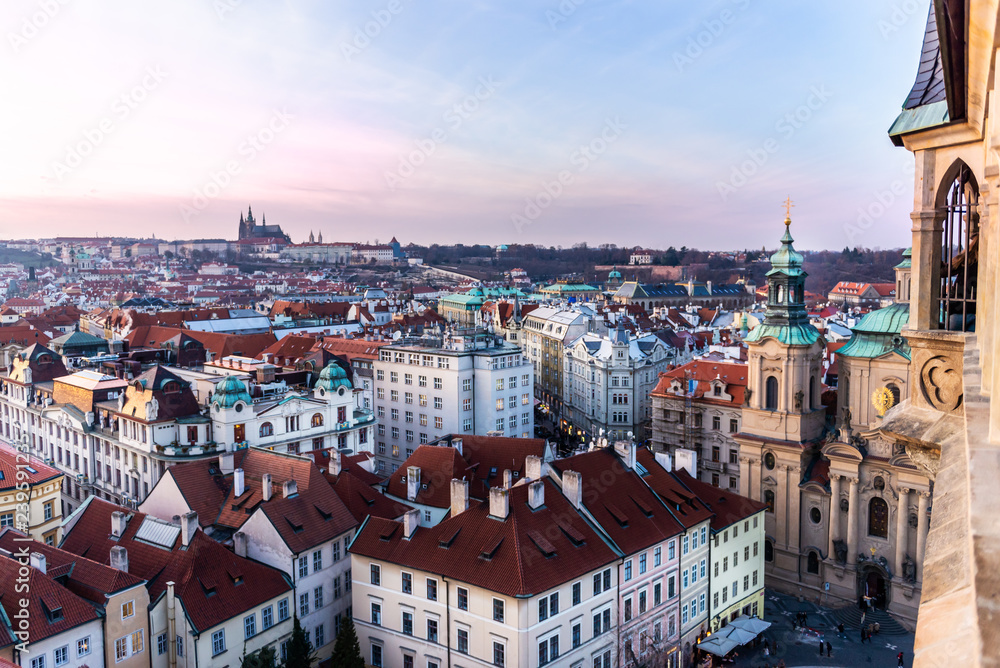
[[468, 121]]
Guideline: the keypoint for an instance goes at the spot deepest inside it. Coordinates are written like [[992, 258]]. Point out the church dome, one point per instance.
[[888, 320], [615, 274], [878, 333], [229, 392], [333, 377], [786, 260]]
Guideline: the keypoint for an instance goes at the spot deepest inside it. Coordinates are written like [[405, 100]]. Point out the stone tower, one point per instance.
[[783, 418]]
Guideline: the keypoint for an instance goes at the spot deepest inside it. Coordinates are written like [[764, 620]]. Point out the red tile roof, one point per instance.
[[363, 500], [213, 583], [525, 554], [685, 505], [618, 500], [9, 469], [728, 507], [734, 375]]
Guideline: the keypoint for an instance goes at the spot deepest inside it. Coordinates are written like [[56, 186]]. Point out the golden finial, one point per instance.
[[788, 209]]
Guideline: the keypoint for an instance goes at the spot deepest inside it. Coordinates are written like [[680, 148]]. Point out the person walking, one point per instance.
[[821, 648], [899, 660], [829, 649]]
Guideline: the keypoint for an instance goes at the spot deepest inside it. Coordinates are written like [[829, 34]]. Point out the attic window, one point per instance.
[[236, 576], [491, 548], [619, 516], [547, 549], [296, 528], [646, 510], [30, 469], [447, 539], [717, 390], [208, 587], [325, 515], [572, 534], [493, 471], [388, 532]]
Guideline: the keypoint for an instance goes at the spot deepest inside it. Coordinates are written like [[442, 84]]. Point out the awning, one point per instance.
[[754, 625], [719, 643]]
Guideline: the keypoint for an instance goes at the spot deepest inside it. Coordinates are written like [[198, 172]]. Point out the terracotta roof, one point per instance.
[[213, 584], [733, 374], [36, 471], [84, 577], [728, 507], [529, 552], [363, 500], [628, 511], [52, 608], [685, 505], [219, 343]]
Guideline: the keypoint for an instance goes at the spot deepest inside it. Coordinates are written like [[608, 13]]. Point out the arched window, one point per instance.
[[812, 562], [895, 393], [771, 393], [878, 518], [960, 251], [317, 420], [813, 392], [267, 429], [769, 500], [781, 293], [768, 551]]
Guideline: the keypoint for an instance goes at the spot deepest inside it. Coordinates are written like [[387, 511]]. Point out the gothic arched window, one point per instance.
[[878, 518], [768, 551], [771, 393]]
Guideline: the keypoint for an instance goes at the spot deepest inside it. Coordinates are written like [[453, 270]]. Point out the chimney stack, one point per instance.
[[499, 503], [226, 462], [536, 494], [573, 488], [117, 524], [457, 444], [459, 496], [412, 482], [239, 483], [663, 459], [240, 544], [290, 488], [119, 558], [687, 460], [37, 560], [265, 485], [189, 525], [508, 479], [533, 467], [335, 462], [411, 520], [626, 449]]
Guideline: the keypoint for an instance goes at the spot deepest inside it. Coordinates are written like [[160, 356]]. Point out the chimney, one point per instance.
[[37, 560], [457, 444], [533, 467], [459, 496], [117, 524], [189, 525], [412, 482], [226, 464], [239, 483], [240, 544], [119, 558], [289, 489], [411, 520], [687, 460], [335, 462], [573, 488], [508, 479], [626, 449], [499, 503], [536, 494], [663, 459], [265, 485]]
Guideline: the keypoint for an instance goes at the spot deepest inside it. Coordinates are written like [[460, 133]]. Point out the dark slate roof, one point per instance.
[[929, 85]]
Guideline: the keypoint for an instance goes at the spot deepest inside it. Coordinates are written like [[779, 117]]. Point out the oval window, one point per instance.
[[769, 461], [815, 515], [239, 408]]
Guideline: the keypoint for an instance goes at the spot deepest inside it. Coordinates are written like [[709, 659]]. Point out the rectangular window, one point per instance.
[[377, 614], [282, 609], [463, 598], [249, 626], [218, 642], [554, 604], [303, 567], [628, 570], [318, 597], [577, 593], [303, 604], [498, 654], [498, 610], [408, 623], [407, 584], [543, 609], [642, 564], [432, 630], [577, 640], [267, 617], [463, 641], [438, 384], [320, 634], [128, 609], [432, 590], [657, 556], [61, 655], [376, 575], [376, 655], [657, 594], [317, 560]]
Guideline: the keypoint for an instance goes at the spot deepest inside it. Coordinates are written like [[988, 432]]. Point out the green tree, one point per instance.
[[300, 650], [347, 649], [264, 658]]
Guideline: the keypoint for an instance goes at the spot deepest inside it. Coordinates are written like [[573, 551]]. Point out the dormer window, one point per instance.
[[171, 386], [717, 390]]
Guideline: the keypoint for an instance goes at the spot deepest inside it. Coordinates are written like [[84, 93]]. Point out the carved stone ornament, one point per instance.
[[845, 505], [840, 551], [941, 384], [909, 569]]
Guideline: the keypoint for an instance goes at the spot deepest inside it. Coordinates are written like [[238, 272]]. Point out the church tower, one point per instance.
[[783, 417]]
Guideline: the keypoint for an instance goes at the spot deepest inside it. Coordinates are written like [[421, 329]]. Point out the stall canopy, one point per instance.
[[753, 625], [719, 643]]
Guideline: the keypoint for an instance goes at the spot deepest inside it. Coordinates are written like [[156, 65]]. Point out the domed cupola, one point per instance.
[[333, 377], [229, 392]]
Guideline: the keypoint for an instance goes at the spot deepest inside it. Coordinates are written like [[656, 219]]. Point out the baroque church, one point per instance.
[[848, 511], [249, 229]]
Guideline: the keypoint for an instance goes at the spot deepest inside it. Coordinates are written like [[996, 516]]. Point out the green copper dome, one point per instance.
[[878, 333], [907, 262], [615, 274], [332, 377], [230, 391]]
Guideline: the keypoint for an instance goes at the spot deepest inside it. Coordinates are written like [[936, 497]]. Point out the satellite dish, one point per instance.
[[397, 335]]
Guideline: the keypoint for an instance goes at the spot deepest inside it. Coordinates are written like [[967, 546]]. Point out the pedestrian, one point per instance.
[[829, 649], [840, 628], [862, 635], [821, 648], [899, 660]]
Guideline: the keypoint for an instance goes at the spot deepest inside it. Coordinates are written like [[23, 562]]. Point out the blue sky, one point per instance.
[[631, 123]]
